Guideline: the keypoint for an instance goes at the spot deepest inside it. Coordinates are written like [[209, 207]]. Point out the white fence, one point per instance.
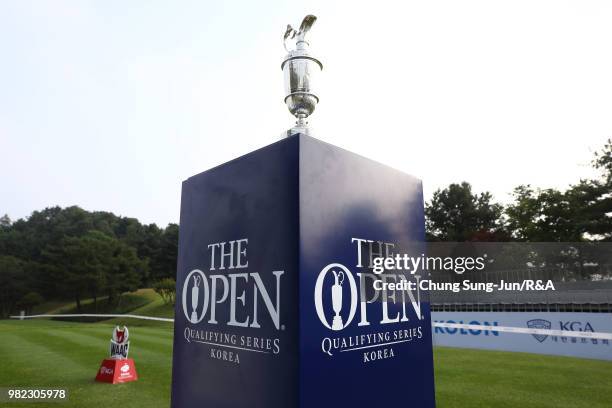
[[108, 316], [587, 335]]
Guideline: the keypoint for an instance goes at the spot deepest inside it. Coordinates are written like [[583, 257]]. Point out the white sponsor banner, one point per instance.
[[548, 332]]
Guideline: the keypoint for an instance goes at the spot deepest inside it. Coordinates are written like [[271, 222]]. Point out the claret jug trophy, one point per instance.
[[301, 71]]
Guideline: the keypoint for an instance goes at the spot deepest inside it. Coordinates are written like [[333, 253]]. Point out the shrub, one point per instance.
[[166, 288]]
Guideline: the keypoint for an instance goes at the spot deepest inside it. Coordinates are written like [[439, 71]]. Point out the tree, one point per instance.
[[581, 213], [166, 288], [591, 202], [76, 265], [28, 238], [29, 300], [456, 214], [73, 253], [542, 216], [5, 221], [125, 270], [603, 162], [596, 197], [94, 264], [13, 283], [168, 253]]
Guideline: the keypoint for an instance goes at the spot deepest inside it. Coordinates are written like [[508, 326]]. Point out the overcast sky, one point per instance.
[[109, 105]]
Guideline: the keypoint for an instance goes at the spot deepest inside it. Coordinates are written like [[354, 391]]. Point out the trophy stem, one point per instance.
[[301, 126], [337, 323], [301, 121]]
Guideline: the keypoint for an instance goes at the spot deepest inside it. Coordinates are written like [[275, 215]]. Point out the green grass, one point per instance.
[[55, 354], [127, 303], [45, 353], [478, 378]]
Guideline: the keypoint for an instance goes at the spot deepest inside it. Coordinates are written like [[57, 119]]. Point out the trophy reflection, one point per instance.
[[337, 300], [194, 298]]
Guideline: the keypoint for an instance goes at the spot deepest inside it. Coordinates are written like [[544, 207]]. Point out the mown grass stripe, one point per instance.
[[59, 342], [34, 363], [141, 350]]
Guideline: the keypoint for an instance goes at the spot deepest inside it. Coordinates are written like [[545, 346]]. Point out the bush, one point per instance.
[[29, 300], [166, 288]]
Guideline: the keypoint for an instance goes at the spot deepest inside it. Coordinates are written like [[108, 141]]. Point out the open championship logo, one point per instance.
[[197, 279], [202, 294], [340, 274]]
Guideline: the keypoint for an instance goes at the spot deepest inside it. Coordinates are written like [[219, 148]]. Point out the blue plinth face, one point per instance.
[[359, 347], [275, 304], [235, 336]]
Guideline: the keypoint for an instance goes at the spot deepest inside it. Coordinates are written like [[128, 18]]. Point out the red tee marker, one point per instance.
[[118, 368], [117, 371]]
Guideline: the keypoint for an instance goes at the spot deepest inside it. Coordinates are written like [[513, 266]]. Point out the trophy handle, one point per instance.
[[340, 278], [289, 34]]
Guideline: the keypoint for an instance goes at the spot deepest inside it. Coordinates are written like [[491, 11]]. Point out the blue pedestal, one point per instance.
[[275, 306]]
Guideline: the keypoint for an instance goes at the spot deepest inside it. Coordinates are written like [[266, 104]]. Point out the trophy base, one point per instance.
[[300, 202], [297, 130], [337, 323], [115, 371]]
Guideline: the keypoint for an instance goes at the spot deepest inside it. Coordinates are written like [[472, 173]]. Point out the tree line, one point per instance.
[[581, 213], [71, 253]]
